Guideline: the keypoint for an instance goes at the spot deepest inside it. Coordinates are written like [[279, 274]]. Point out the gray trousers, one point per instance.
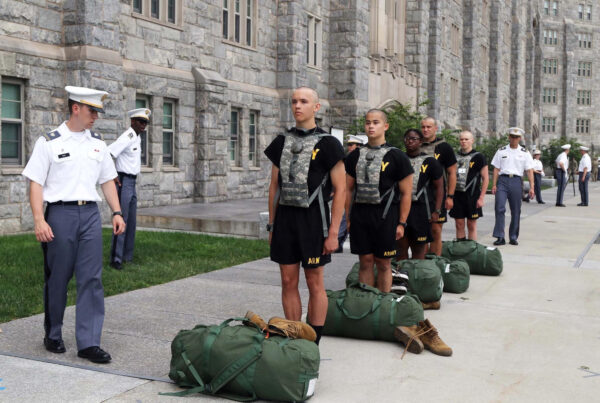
[[561, 184], [76, 248], [583, 188], [537, 186], [508, 188], [122, 245]]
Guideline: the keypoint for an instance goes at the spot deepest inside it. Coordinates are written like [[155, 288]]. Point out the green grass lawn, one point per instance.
[[159, 257]]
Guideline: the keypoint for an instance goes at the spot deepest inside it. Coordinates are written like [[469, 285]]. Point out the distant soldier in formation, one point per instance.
[[538, 174], [560, 173], [585, 167]]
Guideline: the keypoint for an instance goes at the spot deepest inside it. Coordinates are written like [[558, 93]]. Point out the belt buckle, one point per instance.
[[81, 202]]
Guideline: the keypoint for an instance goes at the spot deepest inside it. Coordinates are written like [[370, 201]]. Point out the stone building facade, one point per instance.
[[218, 75]]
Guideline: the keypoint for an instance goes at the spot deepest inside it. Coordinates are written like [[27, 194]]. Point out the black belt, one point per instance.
[[127, 175], [511, 175], [72, 203]]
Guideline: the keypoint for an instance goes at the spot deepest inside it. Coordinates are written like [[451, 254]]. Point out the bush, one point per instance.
[[553, 149]]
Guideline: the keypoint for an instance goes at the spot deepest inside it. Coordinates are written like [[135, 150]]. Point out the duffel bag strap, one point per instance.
[[198, 389], [374, 307], [453, 243]]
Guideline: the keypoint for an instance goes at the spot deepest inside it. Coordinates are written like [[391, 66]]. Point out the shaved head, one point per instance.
[[429, 120], [314, 94], [382, 113], [465, 134]]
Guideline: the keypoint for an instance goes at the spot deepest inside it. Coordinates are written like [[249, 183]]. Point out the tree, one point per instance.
[[551, 151]]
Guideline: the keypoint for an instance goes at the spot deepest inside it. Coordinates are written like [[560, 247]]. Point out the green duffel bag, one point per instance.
[[364, 312], [352, 276], [239, 363], [424, 279], [481, 259], [455, 273]]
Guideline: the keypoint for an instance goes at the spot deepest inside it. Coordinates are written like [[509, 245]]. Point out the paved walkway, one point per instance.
[[531, 334]]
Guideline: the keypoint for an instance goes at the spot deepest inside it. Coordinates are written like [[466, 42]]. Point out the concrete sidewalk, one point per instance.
[[531, 334]]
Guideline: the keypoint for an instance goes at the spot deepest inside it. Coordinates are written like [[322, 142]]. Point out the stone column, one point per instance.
[[417, 43]]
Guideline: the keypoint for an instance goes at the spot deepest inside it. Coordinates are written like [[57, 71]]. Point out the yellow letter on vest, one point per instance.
[[384, 165], [424, 168], [437, 156], [471, 164], [314, 153]]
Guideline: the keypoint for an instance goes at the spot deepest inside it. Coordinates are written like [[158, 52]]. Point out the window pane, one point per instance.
[[225, 24], [248, 32], [154, 8], [144, 145], [140, 103], [10, 140], [233, 136], [167, 115], [168, 147], [171, 11], [11, 101], [137, 6]]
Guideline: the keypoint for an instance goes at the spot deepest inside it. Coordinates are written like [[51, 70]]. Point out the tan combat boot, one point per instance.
[[292, 329], [256, 319], [432, 305], [409, 336], [432, 342]]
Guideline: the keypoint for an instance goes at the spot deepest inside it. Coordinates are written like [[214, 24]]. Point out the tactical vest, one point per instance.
[[462, 172], [368, 172], [293, 167], [416, 164], [429, 149]]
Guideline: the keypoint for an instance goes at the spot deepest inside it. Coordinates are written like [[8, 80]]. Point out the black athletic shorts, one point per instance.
[[465, 206], [369, 233], [443, 215], [418, 229], [298, 236]]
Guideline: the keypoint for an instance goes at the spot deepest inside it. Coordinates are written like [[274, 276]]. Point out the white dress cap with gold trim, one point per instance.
[[87, 96], [566, 146], [536, 152], [516, 131], [584, 148], [360, 139], [140, 113]]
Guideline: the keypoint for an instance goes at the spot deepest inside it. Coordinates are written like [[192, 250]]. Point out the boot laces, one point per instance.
[[414, 336]]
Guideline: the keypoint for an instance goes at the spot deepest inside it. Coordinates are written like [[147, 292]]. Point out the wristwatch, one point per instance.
[[450, 196], [269, 227], [403, 224], [117, 213]]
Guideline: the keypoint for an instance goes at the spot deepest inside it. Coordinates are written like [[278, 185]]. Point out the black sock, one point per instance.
[[461, 239], [318, 331]]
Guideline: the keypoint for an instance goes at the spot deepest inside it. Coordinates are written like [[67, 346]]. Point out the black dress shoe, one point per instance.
[[513, 242], [500, 241], [541, 202], [94, 354], [581, 204], [560, 205], [54, 346], [116, 265]]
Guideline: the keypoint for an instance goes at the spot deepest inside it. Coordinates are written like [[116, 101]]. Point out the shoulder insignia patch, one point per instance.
[[503, 148], [130, 135], [96, 135], [523, 149], [52, 135]]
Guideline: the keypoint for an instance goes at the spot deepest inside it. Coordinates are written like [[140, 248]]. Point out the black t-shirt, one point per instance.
[[443, 153], [431, 170], [397, 167], [329, 152], [477, 163]]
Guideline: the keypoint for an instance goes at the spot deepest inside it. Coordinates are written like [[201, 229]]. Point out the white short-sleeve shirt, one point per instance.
[[127, 149], [538, 166], [585, 162], [562, 157], [512, 161], [70, 166]]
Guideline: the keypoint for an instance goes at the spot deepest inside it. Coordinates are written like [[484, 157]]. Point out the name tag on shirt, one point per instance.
[[64, 155], [462, 170], [505, 156]]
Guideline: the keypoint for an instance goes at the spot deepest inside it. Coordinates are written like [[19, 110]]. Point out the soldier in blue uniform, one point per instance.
[[509, 164], [561, 174], [64, 169]]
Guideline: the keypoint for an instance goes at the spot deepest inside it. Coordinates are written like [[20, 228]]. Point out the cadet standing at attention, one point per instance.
[[509, 164], [378, 197], [127, 150], [472, 180], [560, 173], [64, 168], [444, 153], [585, 167], [307, 167]]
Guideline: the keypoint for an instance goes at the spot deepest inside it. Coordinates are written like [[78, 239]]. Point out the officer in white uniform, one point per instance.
[[127, 151], [509, 164], [560, 173], [64, 169], [585, 169], [538, 174]]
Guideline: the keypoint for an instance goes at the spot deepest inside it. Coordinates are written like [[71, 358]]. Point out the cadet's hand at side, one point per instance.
[[118, 225], [531, 193], [43, 232], [399, 231], [331, 244]]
